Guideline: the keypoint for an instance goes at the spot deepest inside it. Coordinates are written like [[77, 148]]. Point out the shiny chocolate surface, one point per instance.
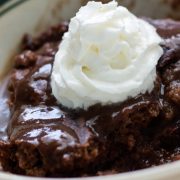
[[46, 139]]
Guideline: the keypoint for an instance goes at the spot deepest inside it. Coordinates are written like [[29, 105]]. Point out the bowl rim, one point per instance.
[[7, 5], [169, 170]]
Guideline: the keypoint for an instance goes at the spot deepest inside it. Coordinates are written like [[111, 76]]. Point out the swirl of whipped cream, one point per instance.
[[107, 55]]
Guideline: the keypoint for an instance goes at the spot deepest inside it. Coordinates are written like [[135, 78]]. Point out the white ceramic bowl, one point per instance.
[[32, 16]]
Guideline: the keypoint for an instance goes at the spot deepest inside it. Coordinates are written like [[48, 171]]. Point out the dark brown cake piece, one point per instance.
[[166, 27], [46, 139]]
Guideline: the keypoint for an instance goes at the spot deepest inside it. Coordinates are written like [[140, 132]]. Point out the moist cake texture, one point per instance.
[[46, 139]]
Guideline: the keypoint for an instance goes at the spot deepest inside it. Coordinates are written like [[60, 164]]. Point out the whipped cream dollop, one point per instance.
[[107, 55]]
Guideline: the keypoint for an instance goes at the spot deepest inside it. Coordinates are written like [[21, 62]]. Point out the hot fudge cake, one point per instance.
[[46, 137]]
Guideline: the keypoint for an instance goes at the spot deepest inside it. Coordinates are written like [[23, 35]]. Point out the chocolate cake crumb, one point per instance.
[[46, 139]]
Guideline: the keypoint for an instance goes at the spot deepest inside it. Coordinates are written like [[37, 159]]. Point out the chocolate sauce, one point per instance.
[[46, 139], [166, 28], [4, 109]]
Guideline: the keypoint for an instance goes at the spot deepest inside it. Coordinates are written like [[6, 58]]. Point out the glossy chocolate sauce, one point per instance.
[[4, 109], [46, 139]]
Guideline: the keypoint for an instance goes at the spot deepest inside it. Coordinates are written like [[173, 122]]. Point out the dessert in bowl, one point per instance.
[[103, 100]]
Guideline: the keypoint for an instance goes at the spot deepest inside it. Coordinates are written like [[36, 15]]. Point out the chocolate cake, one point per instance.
[[46, 139]]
